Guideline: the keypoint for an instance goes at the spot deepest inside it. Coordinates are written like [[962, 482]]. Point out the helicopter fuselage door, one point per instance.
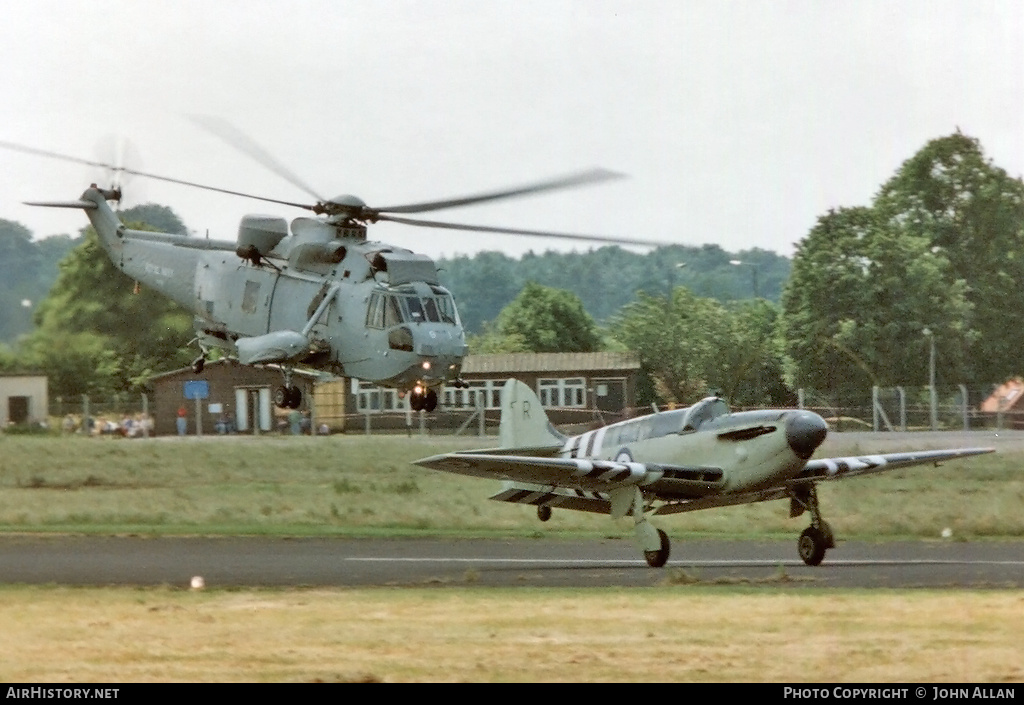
[[244, 306]]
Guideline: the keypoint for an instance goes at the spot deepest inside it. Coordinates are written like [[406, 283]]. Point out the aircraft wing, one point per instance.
[[569, 473], [823, 469], [836, 468]]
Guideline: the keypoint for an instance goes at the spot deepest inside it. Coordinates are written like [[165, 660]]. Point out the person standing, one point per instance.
[[182, 420], [295, 422]]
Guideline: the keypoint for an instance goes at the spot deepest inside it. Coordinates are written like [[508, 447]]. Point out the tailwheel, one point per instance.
[[543, 512], [812, 545], [658, 558]]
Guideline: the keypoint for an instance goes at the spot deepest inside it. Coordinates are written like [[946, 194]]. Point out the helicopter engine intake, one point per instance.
[[258, 235]]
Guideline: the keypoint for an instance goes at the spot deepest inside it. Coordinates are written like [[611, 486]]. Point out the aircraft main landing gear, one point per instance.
[[816, 538], [659, 557]]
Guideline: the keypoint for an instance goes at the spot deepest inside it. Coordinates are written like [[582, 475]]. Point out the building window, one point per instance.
[[570, 392], [372, 398], [489, 391]]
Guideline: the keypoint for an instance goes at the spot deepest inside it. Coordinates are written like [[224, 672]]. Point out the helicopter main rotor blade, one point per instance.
[[516, 231], [54, 155], [591, 176], [245, 144], [135, 172], [206, 187]]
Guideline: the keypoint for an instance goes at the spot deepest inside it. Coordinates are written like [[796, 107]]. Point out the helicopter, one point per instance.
[[315, 293]]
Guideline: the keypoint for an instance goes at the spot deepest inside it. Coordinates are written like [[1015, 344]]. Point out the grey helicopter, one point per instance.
[[315, 293]]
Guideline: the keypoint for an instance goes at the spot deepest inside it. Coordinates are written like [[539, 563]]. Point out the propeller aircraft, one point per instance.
[[317, 292], [682, 460]]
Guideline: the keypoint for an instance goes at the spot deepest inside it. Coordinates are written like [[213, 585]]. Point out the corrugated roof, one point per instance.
[[550, 362]]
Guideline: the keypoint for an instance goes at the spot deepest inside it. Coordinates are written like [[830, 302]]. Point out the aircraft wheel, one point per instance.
[[812, 545], [281, 397], [430, 401], [198, 364], [657, 559], [416, 401], [543, 512], [294, 400]]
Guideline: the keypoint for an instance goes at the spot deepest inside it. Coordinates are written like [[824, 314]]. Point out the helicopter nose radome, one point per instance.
[[805, 431]]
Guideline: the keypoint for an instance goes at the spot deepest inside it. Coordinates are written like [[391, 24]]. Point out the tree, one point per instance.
[[691, 346], [972, 213], [96, 334], [541, 319], [158, 217], [940, 249], [859, 298]]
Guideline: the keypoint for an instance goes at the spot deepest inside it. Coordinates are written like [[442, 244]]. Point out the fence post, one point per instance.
[[903, 407], [874, 408], [145, 416], [965, 408]]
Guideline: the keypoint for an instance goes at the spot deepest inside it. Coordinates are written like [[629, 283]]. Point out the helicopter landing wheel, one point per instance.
[[198, 364], [287, 397], [430, 401], [416, 401]]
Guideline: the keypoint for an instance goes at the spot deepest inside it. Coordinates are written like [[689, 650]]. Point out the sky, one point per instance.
[[736, 123]]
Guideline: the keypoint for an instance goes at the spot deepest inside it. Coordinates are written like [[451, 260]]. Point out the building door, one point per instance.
[[17, 410], [610, 394], [253, 414]]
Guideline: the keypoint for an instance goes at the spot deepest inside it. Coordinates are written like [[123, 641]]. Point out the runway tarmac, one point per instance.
[[259, 562]]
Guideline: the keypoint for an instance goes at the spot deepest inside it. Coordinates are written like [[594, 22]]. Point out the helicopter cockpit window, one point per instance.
[[392, 311], [430, 308], [375, 311], [446, 306], [416, 314]]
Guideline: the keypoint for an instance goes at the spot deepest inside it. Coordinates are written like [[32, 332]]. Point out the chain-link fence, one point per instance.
[[912, 408], [948, 407], [119, 414]]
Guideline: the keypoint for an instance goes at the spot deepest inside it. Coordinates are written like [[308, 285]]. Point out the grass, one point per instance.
[[687, 629], [672, 633], [355, 485]]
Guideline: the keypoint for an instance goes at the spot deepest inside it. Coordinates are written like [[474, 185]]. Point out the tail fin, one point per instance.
[[523, 421]]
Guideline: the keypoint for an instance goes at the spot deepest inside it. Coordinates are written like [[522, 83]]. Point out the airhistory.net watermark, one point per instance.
[[62, 693]]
